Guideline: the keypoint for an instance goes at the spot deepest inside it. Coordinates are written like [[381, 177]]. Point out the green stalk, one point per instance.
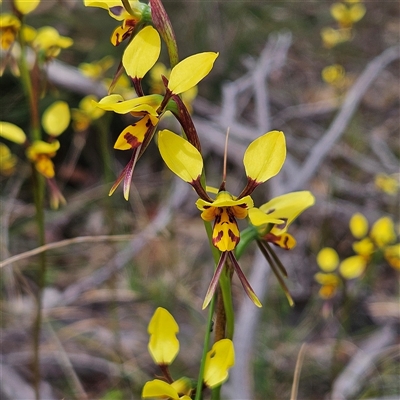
[[30, 86], [206, 345]]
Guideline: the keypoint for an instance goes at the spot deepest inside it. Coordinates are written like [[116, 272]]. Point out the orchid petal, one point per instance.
[[190, 71], [181, 157], [358, 225], [163, 344], [265, 156], [219, 359], [160, 389], [56, 118], [328, 259], [142, 52], [352, 267], [12, 132]]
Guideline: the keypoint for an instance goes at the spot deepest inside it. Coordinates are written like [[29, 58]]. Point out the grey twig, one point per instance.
[[179, 192]]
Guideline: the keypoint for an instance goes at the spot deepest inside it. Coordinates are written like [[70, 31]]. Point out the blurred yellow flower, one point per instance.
[[9, 28], [389, 184], [87, 112], [7, 160], [347, 15], [49, 42], [332, 37]]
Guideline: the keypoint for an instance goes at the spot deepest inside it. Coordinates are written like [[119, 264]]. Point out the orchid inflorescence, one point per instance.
[[143, 26]]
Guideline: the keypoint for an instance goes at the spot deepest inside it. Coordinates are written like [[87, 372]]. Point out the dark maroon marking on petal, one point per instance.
[[244, 205], [130, 22], [132, 140], [127, 34], [217, 238], [251, 185], [233, 237], [271, 210], [116, 10], [149, 123]]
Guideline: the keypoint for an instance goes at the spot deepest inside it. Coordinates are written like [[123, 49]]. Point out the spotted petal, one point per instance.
[[286, 208], [219, 359]]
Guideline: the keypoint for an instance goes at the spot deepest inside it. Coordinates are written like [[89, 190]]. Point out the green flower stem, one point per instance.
[[199, 387], [38, 192], [30, 86]]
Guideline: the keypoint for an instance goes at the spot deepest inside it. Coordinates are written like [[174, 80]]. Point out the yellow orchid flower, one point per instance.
[[332, 37], [49, 42], [136, 136], [130, 18], [8, 160], [380, 237], [86, 113], [40, 153], [96, 69], [389, 184], [9, 28], [329, 262], [262, 160], [347, 15], [286, 208]]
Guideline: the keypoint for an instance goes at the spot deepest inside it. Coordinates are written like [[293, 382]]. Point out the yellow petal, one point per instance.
[[181, 157], [190, 71], [12, 132], [327, 279], [163, 344], [260, 218], [287, 208], [338, 11], [183, 386], [352, 267], [26, 6], [357, 11], [159, 389], [219, 359], [116, 103], [382, 232], [142, 52], [358, 225], [40, 147], [392, 255], [265, 156], [225, 199], [133, 135], [56, 118], [364, 247], [327, 259], [226, 233]]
